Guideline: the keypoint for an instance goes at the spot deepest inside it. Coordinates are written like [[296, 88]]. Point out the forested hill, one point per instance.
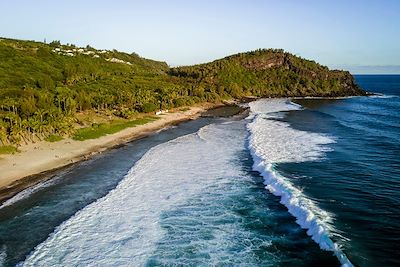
[[270, 73], [44, 88]]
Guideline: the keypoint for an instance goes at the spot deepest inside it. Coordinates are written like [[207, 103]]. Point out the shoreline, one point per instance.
[[51, 158], [38, 162]]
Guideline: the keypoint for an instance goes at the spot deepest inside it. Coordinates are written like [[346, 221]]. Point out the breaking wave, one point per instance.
[[378, 95], [123, 228], [272, 141], [24, 194]]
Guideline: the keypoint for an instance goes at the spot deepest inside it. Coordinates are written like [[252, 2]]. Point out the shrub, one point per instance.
[[54, 138], [8, 149], [149, 107]]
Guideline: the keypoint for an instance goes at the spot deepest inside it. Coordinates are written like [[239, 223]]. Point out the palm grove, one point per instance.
[[44, 86]]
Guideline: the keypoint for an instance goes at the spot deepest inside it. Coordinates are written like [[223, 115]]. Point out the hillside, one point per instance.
[[45, 88], [270, 73]]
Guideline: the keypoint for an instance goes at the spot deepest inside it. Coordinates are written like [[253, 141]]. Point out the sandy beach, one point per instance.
[[32, 164]]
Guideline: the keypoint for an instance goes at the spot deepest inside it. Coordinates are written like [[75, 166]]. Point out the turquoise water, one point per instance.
[[309, 185]]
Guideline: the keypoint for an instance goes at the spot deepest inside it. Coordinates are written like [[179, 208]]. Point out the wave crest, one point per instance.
[[123, 227], [273, 141]]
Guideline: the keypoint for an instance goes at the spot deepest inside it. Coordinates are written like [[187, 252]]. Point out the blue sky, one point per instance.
[[361, 36]]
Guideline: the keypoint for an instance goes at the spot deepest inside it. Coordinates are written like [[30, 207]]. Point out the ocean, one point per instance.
[[306, 182]]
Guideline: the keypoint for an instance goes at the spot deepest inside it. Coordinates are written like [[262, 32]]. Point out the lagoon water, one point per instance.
[[310, 183]]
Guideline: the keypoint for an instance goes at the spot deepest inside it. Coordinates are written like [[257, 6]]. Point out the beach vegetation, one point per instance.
[[97, 130], [53, 138], [8, 149]]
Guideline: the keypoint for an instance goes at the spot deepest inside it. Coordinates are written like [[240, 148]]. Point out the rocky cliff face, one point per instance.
[[264, 63]]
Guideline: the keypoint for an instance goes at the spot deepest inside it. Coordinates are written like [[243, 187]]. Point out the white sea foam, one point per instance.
[[165, 128], [122, 228], [31, 190], [383, 96], [3, 255], [269, 106], [273, 141]]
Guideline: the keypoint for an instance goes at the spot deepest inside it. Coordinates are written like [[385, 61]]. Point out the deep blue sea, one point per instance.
[[358, 181], [310, 182]]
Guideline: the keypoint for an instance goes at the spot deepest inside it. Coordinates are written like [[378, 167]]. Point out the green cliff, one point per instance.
[[270, 73]]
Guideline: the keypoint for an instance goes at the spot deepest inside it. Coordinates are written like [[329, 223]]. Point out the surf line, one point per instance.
[[308, 215]]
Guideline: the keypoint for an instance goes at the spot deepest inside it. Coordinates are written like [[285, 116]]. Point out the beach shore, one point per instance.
[[37, 161]]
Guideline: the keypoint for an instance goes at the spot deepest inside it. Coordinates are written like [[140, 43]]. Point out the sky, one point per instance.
[[360, 36]]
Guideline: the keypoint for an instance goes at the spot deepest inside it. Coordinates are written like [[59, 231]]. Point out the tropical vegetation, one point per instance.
[[45, 88]]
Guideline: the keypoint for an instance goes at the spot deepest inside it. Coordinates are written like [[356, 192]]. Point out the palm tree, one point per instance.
[[15, 134], [163, 95], [11, 118], [41, 113], [3, 132]]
